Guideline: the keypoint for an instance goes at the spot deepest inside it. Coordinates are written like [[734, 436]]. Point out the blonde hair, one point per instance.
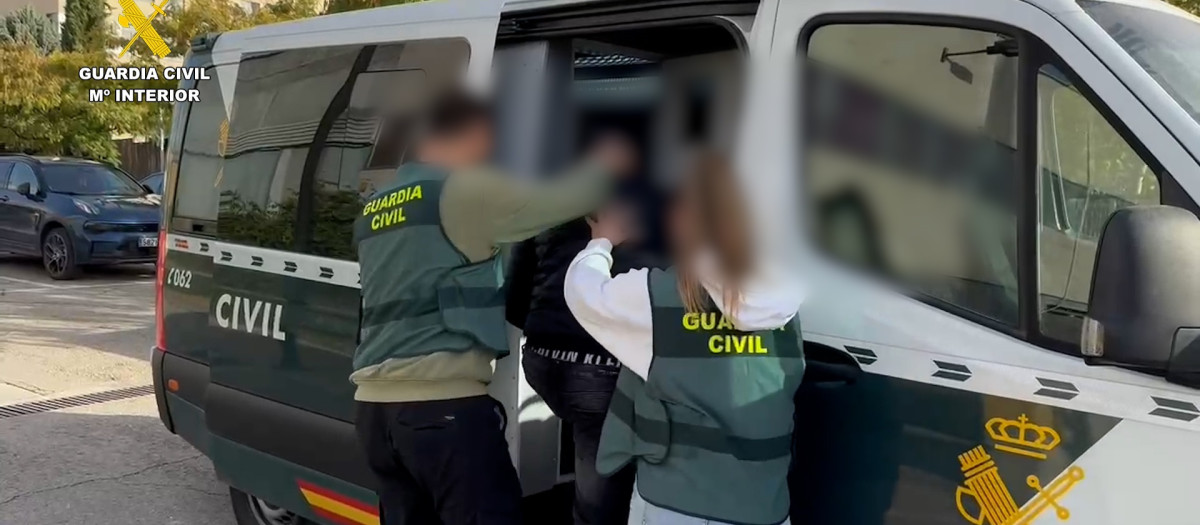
[[721, 218]]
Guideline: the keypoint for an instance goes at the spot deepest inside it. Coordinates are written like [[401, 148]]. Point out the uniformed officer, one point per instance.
[[433, 315], [711, 357]]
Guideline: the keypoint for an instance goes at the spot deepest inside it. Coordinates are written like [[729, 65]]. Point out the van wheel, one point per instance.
[[249, 510], [58, 255]]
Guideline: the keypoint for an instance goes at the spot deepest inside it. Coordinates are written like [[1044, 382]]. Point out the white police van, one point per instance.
[[939, 172]]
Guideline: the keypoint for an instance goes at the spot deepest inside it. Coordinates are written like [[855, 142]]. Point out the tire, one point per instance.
[[58, 255], [249, 510]]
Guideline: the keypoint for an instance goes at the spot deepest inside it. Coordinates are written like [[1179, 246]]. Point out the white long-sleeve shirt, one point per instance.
[[616, 311]]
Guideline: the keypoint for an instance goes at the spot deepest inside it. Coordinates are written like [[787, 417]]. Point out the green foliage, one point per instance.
[[270, 226], [284, 10], [44, 105], [341, 6], [1192, 6], [86, 26], [27, 27], [335, 213], [273, 225], [185, 21]]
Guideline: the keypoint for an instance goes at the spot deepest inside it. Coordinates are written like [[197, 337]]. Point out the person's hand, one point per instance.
[[615, 153], [613, 222]]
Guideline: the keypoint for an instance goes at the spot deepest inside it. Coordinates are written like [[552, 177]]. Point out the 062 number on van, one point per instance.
[[179, 278]]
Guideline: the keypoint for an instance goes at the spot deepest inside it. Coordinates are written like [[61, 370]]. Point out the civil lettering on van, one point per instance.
[[252, 316]]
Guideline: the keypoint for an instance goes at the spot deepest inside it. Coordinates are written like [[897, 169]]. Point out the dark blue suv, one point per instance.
[[73, 212]]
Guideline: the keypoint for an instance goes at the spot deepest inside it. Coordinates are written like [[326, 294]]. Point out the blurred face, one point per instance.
[[476, 141], [471, 146]]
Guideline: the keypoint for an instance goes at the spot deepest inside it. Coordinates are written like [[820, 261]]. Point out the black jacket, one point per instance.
[[538, 268]]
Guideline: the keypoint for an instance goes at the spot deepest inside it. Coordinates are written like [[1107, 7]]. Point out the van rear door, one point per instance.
[[321, 115]]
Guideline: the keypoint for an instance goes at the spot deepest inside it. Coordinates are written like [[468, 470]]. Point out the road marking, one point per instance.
[[75, 287], [28, 282]]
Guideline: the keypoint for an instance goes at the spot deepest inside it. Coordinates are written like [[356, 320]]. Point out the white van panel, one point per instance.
[[880, 315], [474, 20]]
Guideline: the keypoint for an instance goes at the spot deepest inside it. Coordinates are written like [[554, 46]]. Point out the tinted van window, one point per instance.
[[350, 103], [200, 158]]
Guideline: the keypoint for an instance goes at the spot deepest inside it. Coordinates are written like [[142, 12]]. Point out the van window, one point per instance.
[[910, 158], [339, 100], [200, 156], [1087, 172]]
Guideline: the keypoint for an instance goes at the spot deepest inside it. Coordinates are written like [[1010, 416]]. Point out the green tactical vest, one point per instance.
[[711, 427], [420, 294]]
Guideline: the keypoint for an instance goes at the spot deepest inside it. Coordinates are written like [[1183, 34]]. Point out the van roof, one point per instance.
[[395, 14]]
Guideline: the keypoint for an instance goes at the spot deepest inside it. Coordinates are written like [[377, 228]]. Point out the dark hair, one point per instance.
[[453, 111]]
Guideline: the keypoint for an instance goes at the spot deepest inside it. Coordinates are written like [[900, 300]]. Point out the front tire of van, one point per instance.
[[249, 510]]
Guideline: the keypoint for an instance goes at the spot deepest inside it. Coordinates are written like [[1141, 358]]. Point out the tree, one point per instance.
[[284, 10], [36, 87], [27, 27], [198, 17], [185, 21], [1192, 6], [341, 6], [86, 26]]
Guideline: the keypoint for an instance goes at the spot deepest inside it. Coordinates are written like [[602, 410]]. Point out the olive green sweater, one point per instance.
[[482, 209]]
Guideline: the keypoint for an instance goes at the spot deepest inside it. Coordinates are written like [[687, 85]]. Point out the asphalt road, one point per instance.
[[107, 463]]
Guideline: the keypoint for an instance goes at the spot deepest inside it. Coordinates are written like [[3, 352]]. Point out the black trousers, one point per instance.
[[579, 394], [441, 462]]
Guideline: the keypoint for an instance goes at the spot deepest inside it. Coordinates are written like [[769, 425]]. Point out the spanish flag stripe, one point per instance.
[[352, 514], [345, 500], [335, 518]]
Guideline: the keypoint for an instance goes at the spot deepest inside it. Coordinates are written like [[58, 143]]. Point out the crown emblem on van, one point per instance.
[[985, 499], [1022, 437]]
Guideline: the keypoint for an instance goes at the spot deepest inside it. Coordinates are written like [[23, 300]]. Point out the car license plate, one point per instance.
[[148, 242]]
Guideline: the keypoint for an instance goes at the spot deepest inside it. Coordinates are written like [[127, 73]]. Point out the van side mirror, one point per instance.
[[1144, 309], [23, 189]]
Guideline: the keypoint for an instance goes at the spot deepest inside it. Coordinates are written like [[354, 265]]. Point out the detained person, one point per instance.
[[433, 315], [568, 369], [711, 356]]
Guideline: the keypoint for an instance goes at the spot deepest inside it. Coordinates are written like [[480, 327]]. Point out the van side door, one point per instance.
[[311, 135], [953, 163]]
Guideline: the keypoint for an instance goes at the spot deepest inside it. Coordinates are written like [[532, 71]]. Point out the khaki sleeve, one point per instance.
[[512, 210]]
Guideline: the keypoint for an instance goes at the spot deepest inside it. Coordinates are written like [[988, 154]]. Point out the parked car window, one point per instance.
[[22, 173], [286, 103], [155, 183], [911, 159], [89, 179], [1087, 172], [5, 167]]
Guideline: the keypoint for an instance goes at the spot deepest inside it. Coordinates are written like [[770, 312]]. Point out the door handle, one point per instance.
[[3, 198]]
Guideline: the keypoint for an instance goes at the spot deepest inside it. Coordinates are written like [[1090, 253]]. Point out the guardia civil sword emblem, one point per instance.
[[984, 486]]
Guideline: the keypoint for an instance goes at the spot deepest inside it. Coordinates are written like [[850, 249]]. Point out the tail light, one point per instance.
[[160, 332]]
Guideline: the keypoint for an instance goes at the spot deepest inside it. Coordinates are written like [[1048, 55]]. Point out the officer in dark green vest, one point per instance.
[[711, 354], [433, 315]]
